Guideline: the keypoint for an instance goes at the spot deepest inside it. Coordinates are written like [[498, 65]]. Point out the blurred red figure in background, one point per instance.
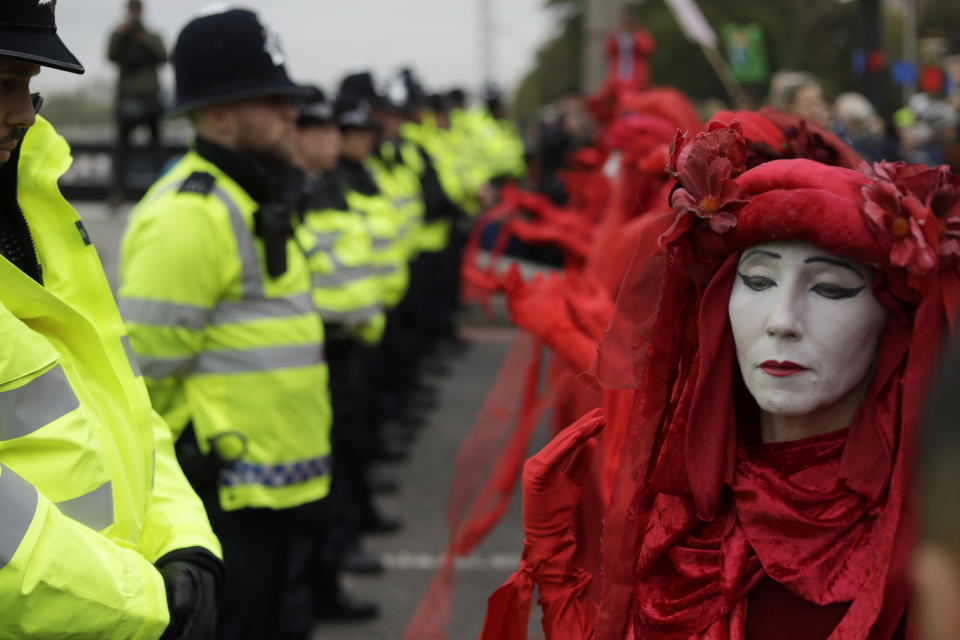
[[627, 51]]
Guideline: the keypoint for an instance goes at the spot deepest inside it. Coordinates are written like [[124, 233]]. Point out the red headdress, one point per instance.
[[694, 523], [772, 135], [665, 102]]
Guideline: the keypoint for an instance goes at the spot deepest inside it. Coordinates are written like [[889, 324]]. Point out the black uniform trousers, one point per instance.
[[256, 544], [350, 501]]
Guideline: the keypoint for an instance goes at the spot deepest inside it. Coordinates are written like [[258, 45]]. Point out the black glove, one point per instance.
[[191, 583]]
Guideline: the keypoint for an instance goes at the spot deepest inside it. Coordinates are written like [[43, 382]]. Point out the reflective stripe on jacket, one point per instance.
[[399, 182], [221, 343], [389, 252], [346, 284], [90, 491], [433, 236]]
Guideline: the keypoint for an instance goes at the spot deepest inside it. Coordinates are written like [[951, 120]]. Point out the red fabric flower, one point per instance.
[[706, 168], [806, 143], [916, 179], [718, 140], [904, 224], [946, 207], [937, 189]]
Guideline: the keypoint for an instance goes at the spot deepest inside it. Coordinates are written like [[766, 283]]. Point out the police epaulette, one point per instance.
[[198, 182]]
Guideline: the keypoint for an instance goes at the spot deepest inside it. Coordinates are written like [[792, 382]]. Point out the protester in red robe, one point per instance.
[[627, 51], [755, 498]]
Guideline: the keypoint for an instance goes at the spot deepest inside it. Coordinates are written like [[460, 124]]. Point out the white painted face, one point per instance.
[[805, 323]]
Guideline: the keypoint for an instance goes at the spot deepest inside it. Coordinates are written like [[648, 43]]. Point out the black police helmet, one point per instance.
[[359, 86], [353, 113], [493, 96], [457, 97], [227, 56], [28, 32], [315, 109], [403, 95], [438, 102]]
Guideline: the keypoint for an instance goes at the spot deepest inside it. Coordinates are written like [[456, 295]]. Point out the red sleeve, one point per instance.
[[552, 487], [644, 44], [610, 44]]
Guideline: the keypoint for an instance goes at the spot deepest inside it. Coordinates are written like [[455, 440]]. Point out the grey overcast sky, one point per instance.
[[325, 38]]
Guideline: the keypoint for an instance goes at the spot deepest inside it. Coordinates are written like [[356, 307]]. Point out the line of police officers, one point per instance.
[[280, 285]]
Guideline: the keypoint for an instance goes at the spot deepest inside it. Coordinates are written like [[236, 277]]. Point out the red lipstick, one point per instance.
[[781, 369]]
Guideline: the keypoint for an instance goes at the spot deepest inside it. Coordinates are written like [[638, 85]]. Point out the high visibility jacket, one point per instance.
[[434, 233], [464, 141], [436, 142], [506, 151], [346, 282], [497, 145], [90, 491], [389, 253], [222, 344], [397, 172]]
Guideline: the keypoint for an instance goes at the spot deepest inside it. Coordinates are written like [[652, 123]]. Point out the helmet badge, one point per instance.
[[271, 44]]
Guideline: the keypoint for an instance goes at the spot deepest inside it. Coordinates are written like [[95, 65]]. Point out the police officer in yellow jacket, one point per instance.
[[503, 146], [346, 293], [347, 289], [216, 296], [443, 194], [100, 534]]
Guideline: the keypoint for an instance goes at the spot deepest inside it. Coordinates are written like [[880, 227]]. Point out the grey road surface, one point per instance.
[[412, 554]]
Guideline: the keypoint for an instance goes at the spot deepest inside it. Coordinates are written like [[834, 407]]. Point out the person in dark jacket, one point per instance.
[[138, 54]]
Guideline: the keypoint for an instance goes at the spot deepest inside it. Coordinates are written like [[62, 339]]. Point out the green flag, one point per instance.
[[746, 52]]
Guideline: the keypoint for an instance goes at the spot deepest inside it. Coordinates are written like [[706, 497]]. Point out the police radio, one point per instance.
[[272, 223]]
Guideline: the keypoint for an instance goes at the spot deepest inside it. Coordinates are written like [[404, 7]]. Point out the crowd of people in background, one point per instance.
[[925, 130]]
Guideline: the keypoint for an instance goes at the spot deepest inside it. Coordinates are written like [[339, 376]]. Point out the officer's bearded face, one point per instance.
[[357, 144], [318, 146], [16, 107], [265, 127]]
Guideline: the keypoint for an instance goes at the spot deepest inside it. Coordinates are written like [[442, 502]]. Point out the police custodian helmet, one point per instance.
[[28, 32], [315, 109], [227, 55]]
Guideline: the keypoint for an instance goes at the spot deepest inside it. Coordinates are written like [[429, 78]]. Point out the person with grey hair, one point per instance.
[[856, 121], [943, 120], [799, 93], [933, 135]]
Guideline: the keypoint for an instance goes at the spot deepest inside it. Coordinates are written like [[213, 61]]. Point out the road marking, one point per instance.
[[427, 561], [489, 334]]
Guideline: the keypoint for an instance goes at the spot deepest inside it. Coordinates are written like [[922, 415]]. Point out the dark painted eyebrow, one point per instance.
[[839, 263], [759, 252]]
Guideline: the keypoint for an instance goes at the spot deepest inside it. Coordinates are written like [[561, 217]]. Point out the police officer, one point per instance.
[[216, 295], [138, 54], [363, 194], [502, 146], [444, 195], [100, 534], [347, 294]]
